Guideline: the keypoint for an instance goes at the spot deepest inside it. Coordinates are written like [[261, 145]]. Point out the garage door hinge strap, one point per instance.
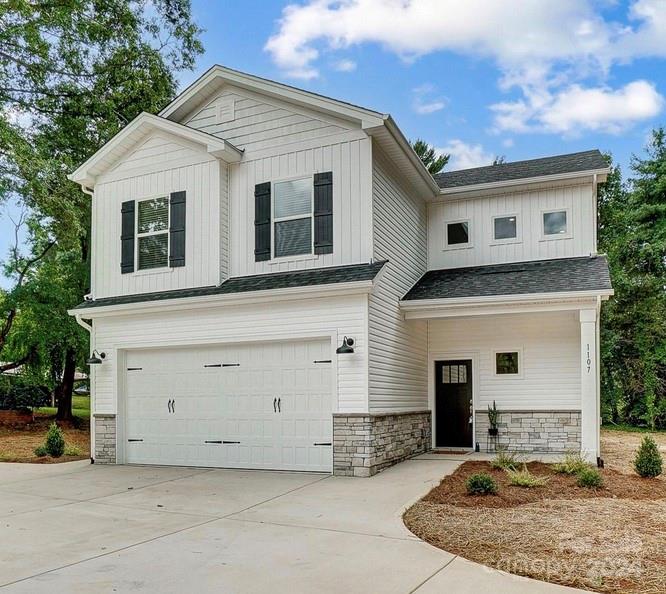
[[323, 361], [214, 365], [231, 442], [135, 440], [213, 441], [230, 364], [134, 368], [326, 443]]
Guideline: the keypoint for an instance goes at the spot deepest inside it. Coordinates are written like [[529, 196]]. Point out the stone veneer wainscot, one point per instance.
[[365, 444], [105, 439]]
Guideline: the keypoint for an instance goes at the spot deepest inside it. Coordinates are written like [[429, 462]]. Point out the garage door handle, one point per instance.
[[323, 443], [274, 404], [279, 400]]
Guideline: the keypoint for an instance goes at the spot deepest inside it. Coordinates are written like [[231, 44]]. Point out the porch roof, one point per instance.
[[585, 274]]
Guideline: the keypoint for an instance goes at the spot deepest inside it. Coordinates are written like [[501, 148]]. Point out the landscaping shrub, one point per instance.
[[648, 462], [524, 478], [481, 484], [55, 441], [573, 463], [72, 451], [40, 451], [589, 477], [505, 460]]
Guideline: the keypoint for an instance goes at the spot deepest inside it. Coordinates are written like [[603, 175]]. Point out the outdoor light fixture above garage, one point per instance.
[[346, 346], [96, 358]]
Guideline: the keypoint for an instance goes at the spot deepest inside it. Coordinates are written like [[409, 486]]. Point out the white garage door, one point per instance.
[[264, 406]]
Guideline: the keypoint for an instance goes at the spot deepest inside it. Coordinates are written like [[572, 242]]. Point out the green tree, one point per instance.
[[632, 231], [72, 74], [433, 162]]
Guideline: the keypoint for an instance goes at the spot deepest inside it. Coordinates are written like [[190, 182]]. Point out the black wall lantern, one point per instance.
[[346, 346], [96, 358]]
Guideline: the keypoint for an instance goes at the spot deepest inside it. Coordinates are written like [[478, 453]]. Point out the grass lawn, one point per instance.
[[17, 444], [607, 540]]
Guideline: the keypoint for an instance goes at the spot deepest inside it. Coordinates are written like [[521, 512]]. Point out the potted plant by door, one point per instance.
[[493, 416]]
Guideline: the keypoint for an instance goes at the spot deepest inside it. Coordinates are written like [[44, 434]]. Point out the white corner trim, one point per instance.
[[245, 298]]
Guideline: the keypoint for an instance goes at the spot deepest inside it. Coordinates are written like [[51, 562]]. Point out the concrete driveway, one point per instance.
[[76, 527]]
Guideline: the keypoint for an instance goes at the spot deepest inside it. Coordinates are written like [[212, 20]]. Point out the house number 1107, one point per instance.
[[588, 360]]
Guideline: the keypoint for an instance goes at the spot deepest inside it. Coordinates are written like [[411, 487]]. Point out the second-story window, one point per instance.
[[458, 234], [152, 237], [292, 217], [555, 224], [505, 227]]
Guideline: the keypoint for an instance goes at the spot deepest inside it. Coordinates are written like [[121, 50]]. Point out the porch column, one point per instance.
[[589, 429]]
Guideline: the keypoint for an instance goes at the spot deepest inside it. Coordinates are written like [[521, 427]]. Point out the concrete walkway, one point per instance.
[[80, 528]]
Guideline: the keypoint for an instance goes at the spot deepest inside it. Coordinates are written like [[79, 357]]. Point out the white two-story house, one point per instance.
[[279, 283]]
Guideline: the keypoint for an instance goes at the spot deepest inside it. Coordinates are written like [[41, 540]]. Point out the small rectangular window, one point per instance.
[[505, 227], [506, 363], [454, 374], [458, 233], [153, 233], [555, 223], [292, 217]]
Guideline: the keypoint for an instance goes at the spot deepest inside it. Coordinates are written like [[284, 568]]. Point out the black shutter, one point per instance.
[[127, 237], [177, 229], [323, 213], [262, 222]]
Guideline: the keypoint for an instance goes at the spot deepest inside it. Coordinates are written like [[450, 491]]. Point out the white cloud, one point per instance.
[[573, 109], [344, 66], [465, 156], [426, 101], [507, 142]]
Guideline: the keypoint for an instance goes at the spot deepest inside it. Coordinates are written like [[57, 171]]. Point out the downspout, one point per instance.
[[600, 460], [596, 212], [89, 328]]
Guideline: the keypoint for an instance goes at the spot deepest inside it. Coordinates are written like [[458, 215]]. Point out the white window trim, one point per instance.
[[458, 246], [311, 255], [143, 271], [520, 374], [519, 228], [556, 236]]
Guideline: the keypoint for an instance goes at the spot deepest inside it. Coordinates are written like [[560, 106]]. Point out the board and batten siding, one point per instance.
[[259, 122], [550, 343], [398, 348], [161, 165], [528, 206], [283, 320], [350, 162]]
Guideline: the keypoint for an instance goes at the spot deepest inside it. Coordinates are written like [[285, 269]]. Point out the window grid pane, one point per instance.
[[154, 251], [293, 198], [555, 223], [505, 227], [293, 238], [457, 233], [454, 374], [153, 215], [506, 363]]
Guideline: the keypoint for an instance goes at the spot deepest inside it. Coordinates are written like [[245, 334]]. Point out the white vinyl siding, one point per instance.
[[300, 318], [350, 163], [528, 207], [260, 123], [548, 346], [398, 349], [147, 172]]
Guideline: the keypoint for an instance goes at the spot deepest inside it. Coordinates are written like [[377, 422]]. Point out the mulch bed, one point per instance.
[[17, 444], [606, 540]]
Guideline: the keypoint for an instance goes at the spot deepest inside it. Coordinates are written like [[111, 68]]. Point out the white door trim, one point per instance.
[[445, 356]]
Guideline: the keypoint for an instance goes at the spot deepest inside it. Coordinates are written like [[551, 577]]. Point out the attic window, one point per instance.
[[225, 110]]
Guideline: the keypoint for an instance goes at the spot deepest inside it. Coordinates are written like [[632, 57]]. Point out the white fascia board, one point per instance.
[[217, 147], [459, 305], [249, 297], [600, 173], [275, 89]]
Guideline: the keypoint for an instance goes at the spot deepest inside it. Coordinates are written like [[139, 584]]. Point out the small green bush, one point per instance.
[[40, 451], [524, 478], [573, 463], [481, 484], [72, 451], [505, 460], [55, 441], [590, 477], [648, 461]]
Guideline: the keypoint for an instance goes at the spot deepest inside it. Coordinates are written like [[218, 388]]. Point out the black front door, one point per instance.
[[453, 404]]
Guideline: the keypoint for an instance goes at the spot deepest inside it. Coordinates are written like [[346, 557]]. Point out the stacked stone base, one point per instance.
[[105, 439], [531, 431], [365, 444]]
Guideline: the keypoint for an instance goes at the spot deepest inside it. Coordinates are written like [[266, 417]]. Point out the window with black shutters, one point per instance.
[[293, 217]]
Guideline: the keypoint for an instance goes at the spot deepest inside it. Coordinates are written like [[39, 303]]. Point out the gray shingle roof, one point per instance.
[[588, 273], [585, 161], [260, 282]]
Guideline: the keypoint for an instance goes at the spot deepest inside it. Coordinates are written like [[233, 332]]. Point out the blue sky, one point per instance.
[[480, 78]]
